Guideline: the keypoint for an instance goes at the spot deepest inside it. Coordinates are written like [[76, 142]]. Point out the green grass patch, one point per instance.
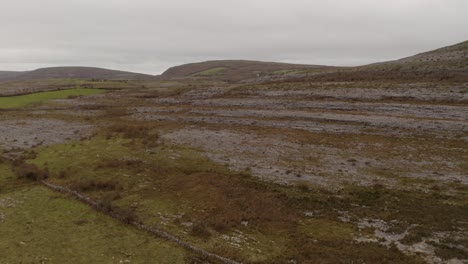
[[210, 72], [282, 72], [297, 71], [34, 98]]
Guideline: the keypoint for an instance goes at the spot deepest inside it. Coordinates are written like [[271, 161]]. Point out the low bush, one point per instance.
[[200, 230], [128, 215], [95, 185], [303, 185], [106, 204], [118, 163], [30, 172], [134, 131], [115, 112]]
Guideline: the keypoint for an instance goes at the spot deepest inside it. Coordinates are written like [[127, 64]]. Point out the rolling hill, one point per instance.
[[448, 63], [72, 73], [232, 70], [443, 64], [9, 75], [453, 57]]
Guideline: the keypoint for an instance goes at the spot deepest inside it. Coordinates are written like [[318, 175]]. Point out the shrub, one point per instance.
[[303, 186], [200, 230], [134, 131], [115, 112], [62, 174], [118, 163], [128, 215], [94, 185], [106, 204], [30, 172], [30, 154]]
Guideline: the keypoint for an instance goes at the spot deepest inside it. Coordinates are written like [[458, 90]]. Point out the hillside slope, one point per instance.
[[8, 75], [72, 72], [453, 57], [443, 64], [448, 63]]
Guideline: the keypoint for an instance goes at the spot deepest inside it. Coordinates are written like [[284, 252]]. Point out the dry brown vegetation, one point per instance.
[[94, 185], [30, 172], [131, 130]]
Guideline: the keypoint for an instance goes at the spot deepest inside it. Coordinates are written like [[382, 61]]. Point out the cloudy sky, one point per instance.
[[151, 35]]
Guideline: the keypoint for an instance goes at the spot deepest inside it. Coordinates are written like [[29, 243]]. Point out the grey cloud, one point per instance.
[[149, 36]]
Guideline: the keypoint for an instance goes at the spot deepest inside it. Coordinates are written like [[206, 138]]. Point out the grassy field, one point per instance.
[[41, 226], [233, 214], [30, 99], [209, 72]]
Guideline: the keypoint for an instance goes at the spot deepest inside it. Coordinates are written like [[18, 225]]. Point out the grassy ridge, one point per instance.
[[30, 99]]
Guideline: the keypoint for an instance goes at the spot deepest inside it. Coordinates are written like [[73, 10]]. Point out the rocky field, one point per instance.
[[298, 172]]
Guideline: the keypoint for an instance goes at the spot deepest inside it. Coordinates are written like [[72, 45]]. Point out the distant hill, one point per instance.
[[8, 75], [448, 63], [72, 72], [233, 70]]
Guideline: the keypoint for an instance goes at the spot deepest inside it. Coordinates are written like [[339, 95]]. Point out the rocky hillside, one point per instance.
[[8, 75], [233, 70], [448, 58], [444, 64]]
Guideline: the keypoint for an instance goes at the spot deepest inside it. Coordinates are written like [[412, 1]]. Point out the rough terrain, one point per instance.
[[280, 167]]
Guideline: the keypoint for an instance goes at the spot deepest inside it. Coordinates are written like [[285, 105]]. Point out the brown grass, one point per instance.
[[30, 172], [85, 185], [228, 200], [133, 131]]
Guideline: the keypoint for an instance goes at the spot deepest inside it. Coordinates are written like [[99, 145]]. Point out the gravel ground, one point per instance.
[[424, 110], [277, 159], [414, 92], [27, 133]]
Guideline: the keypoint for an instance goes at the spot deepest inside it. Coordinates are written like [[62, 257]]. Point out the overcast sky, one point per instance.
[[151, 35]]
